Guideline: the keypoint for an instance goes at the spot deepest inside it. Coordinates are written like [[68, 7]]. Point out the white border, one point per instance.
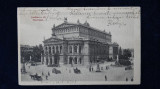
[[137, 64]]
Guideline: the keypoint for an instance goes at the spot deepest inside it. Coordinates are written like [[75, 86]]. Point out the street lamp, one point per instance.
[[23, 70]]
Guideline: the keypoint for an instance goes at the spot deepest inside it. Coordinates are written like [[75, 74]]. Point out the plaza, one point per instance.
[[113, 73]]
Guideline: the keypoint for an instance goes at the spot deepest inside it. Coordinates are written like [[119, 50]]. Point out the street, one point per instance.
[[67, 73]]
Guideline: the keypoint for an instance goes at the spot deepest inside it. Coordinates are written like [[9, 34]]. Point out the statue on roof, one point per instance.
[[53, 25], [86, 23], [65, 19], [78, 21]]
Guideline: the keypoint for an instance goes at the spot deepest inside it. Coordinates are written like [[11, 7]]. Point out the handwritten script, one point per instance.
[[113, 15]]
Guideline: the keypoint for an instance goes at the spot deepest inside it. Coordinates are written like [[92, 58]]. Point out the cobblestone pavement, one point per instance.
[[113, 73]]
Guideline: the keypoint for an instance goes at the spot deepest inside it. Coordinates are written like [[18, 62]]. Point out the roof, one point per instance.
[[68, 24]]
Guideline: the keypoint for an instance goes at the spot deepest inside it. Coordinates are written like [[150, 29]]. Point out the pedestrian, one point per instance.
[[42, 74], [92, 68], [89, 69], [106, 67], [46, 77], [132, 79], [105, 78], [126, 79], [48, 74]]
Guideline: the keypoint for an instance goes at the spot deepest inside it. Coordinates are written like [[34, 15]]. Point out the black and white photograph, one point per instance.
[[79, 45]]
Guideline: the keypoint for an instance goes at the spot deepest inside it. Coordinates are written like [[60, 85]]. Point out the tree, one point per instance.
[[36, 54], [127, 53], [25, 56], [120, 51]]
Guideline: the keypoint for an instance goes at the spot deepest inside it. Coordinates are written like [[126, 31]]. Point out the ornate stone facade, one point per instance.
[[76, 43]]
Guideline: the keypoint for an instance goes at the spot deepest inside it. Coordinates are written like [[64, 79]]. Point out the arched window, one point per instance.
[[49, 50], [70, 49], [75, 60], [75, 49], [60, 49], [70, 60], [53, 49], [46, 48], [80, 49], [80, 60], [57, 49]]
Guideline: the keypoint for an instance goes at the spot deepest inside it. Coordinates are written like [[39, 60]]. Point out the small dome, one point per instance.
[[86, 23]]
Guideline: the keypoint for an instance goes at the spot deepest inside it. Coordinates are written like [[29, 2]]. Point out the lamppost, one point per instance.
[[23, 70]]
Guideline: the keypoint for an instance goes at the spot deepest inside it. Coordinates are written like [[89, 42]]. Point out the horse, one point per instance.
[[32, 76]]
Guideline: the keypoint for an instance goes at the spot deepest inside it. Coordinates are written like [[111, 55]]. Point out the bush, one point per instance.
[[124, 62]]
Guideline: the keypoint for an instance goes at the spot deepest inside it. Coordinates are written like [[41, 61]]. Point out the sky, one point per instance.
[[35, 24]]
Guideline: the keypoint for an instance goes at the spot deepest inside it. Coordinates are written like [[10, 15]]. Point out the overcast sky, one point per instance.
[[33, 32]]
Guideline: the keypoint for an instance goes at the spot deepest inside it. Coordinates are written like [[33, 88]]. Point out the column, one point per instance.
[[60, 51], [44, 60], [52, 59], [47, 49], [41, 59], [51, 50], [44, 50], [78, 48], [72, 49], [48, 60], [78, 60], [55, 49]]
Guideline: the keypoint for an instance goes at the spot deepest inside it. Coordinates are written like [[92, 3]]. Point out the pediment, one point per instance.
[[65, 25], [52, 39]]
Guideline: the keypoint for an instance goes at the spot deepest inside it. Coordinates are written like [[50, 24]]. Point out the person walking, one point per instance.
[[106, 67], [132, 79], [105, 78], [89, 69], [92, 68], [48, 74], [46, 77], [42, 74], [126, 79]]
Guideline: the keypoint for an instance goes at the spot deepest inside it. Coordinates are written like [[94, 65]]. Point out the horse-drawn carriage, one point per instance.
[[77, 71], [36, 77], [54, 70], [128, 68]]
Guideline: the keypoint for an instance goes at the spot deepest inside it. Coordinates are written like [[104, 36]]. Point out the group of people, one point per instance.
[[127, 79], [90, 69], [48, 74], [101, 68]]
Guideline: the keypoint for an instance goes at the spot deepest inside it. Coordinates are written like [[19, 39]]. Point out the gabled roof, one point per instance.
[[67, 24], [52, 39]]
